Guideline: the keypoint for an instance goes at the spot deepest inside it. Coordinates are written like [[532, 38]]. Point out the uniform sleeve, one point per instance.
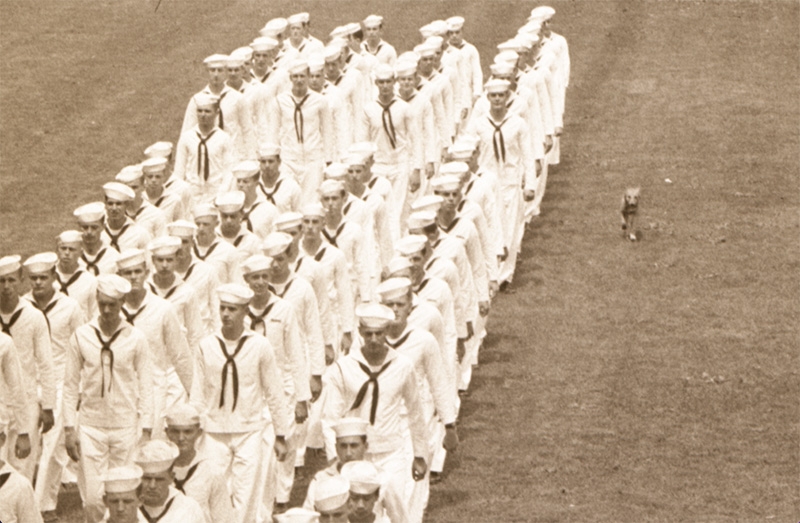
[[313, 332], [477, 72], [487, 246], [144, 373], [247, 129], [181, 159], [13, 387], [272, 385], [43, 352], [383, 232], [342, 123], [440, 118], [293, 343], [461, 300], [190, 116], [76, 318], [197, 396], [439, 380], [72, 379], [273, 120], [430, 152], [334, 406], [259, 104], [177, 348], [327, 130], [320, 286], [414, 127], [528, 161], [362, 266], [193, 323], [308, 503], [344, 294], [477, 262], [416, 419], [362, 130], [448, 103], [544, 101]]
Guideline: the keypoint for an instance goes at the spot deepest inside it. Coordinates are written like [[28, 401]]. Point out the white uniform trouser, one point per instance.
[[398, 205], [101, 450], [511, 209], [396, 466], [240, 455], [471, 349], [26, 466], [421, 489], [554, 156], [168, 392], [54, 459], [308, 176], [533, 207], [270, 472], [280, 474]]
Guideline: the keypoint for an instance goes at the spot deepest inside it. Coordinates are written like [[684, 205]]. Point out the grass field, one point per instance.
[[655, 381]]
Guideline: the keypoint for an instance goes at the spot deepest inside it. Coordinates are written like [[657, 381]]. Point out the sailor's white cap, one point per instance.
[[456, 169], [351, 426], [331, 493], [230, 202], [393, 288], [154, 165], [69, 237], [411, 244], [156, 455], [429, 202], [234, 293], [421, 219], [130, 173], [288, 220], [331, 187], [42, 262], [122, 479], [446, 183], [131, 258], [372, 21], [276, 243], [374, 315], [263, 43], [455, 23], [181, 229], [265, 150], [398, 264], [256, 263], [113, 286], [164, 246], [183, 415], [216, 60], [363, 476], [118, 191], [246, 169], [497, 86], [159, 150], [334, 171]]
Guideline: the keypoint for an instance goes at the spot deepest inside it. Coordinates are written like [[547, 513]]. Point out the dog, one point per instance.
[[630, 204]]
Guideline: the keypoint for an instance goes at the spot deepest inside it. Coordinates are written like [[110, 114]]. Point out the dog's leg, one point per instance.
[[631, 232]]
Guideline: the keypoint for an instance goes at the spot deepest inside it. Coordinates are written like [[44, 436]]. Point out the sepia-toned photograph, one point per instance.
[[361, 261]]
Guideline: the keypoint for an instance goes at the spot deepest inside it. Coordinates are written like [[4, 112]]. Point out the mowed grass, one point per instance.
[[622, 382]]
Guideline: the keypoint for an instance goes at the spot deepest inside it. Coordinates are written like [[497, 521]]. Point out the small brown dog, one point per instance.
[[630, 204]]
